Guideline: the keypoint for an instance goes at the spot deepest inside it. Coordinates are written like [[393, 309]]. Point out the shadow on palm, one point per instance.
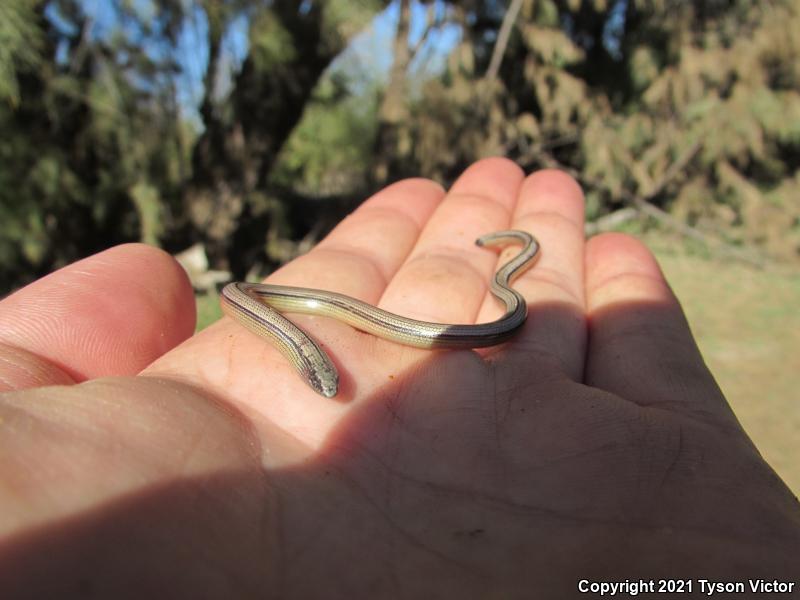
[[450, 481]]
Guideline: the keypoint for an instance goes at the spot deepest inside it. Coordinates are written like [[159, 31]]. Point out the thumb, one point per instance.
[[110, 314]]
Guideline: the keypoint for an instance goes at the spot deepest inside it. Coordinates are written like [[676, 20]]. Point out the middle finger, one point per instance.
[[446, 276]]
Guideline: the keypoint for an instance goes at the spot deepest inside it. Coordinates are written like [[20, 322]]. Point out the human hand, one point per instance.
[[595, 445]]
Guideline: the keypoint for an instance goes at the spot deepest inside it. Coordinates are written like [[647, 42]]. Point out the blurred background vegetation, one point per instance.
[[251, 127], [247, 128]]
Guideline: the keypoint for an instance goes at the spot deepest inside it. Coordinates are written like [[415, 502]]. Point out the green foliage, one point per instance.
[[271, 44], [696, 111], [83, 153], [727, 89], [345, 18], [693, 106], [329, 151], [20, 44], [149, 208]]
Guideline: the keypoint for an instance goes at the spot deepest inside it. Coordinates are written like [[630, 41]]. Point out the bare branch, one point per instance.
[[641, 204], [432, 24], [611, 221], [502, 39]]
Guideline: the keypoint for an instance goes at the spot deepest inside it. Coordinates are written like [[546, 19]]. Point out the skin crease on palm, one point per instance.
[[595, 445]]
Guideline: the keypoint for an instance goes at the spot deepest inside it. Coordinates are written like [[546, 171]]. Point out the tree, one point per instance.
[[692, 106], [96, 147], [90, 136], [665, 105], [291, 45]]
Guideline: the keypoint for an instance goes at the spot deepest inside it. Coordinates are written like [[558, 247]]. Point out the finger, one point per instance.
[[551, 207], [357, 258], [20, 369], [365, 250], [640, 344], [446, 276], [110, 314]]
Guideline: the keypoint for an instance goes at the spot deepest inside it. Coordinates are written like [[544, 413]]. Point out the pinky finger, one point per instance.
[[641, 347]]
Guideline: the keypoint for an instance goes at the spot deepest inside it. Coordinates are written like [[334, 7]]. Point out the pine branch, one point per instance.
[[674, 170]]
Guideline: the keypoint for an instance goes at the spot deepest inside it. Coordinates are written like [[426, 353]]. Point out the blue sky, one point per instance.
[[367, 60], [369, 55]]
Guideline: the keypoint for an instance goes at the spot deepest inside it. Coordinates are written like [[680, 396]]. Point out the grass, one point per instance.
[[747, 325], [208, 309]]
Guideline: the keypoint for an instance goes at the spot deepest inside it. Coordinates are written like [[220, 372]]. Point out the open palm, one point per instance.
[[593, 446]]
